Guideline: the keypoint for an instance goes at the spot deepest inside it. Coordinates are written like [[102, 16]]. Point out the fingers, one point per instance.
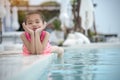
[[25, 27], [23, 24], [45, 23]]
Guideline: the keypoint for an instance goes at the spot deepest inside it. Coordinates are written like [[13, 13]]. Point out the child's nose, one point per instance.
[[34, 24]]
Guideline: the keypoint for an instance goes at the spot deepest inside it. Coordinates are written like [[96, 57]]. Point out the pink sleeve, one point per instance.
[[42, 35], [27, 35]]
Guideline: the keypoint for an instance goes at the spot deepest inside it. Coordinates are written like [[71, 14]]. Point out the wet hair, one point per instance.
[[34, 12]]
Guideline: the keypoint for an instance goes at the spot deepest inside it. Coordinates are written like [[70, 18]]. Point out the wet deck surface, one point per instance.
[[13, 63], [9, 65]]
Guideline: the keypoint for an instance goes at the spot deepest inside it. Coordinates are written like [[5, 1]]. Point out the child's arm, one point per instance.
[[40, 46], [30, 45]]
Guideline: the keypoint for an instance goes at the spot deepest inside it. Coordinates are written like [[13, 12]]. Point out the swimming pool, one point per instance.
[[97, 63]]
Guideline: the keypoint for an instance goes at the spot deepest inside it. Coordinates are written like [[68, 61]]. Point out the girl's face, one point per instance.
[[34, 21]]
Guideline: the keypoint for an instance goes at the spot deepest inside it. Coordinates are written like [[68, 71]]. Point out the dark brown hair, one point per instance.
[[34, 12]]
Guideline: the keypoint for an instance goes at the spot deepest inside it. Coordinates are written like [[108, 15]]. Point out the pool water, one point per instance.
[[87, 64]]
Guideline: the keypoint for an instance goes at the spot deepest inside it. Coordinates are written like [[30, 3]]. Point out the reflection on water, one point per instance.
[[87, 64]]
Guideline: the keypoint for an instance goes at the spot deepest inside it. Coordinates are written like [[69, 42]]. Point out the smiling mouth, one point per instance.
[[34, 29]]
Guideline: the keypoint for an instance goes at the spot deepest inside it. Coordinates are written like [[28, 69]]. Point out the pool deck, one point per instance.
[[14, 66]]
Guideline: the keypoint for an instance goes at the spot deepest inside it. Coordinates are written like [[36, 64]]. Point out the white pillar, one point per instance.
[[2, 14], [8, 17], [15, 23], [66, 16]]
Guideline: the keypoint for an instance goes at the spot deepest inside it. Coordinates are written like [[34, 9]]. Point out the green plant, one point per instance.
[[56, 24]]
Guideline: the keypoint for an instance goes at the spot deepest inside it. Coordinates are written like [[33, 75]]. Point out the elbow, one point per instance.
[[32, 52], [40, 51]]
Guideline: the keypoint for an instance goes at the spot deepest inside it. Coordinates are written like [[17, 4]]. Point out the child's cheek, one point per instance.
[[30, 27]]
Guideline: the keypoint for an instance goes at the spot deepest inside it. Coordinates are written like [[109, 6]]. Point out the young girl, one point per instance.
[[35, 39]]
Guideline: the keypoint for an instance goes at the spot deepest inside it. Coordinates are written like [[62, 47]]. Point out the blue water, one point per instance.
[[87, 64]]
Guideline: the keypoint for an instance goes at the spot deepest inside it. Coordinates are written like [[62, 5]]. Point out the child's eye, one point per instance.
[[37, 22], [29, 23]]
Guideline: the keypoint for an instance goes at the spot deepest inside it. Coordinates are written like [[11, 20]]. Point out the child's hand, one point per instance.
[[40, 29], [26, 28]]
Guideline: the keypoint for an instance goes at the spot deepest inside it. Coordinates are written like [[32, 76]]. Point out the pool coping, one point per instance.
[[17, 48], [94, 45], [36, 67]]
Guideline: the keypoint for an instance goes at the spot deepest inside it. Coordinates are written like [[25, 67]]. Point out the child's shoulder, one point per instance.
[[22, 34], [47, 33]]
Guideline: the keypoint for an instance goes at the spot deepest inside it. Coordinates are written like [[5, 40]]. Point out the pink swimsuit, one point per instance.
[[47, 50]]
